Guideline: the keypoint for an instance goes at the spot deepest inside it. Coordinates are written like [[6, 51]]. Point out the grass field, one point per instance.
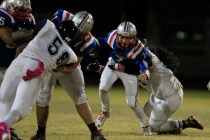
[[65, 124]]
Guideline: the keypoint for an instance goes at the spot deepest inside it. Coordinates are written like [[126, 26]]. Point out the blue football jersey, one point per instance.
[[80, 46], [137, 54], [6, 54]]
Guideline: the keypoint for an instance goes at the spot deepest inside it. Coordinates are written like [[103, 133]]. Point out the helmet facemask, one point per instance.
[[126, 35], [20, 9]]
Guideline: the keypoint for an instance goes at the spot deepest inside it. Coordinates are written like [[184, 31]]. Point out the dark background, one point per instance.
[[182, 26]]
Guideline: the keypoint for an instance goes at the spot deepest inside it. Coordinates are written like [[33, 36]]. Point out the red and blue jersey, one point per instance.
[[135, 55], [7, 54], [80, 46]]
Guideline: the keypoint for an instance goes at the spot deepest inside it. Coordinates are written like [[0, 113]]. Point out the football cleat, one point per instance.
[[97, 135], [38, 136], [102, 118], [14, 135], [4, 131], [147, 130], [191, 122]]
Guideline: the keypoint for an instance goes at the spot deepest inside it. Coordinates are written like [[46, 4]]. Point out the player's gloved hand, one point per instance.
[[208, 85], [143, 78], [94, 67]]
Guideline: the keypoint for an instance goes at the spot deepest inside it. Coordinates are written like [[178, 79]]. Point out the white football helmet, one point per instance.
[[18, 8], [84, 21], [126, 35]]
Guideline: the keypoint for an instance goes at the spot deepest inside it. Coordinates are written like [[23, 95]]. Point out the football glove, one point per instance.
[[94, 67], [143, 78]]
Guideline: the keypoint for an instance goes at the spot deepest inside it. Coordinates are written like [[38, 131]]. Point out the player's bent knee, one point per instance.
[[131, 101], [43, 100], [80, 100]]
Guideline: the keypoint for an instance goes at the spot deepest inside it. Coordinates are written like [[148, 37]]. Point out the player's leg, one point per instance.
[[163, 110], [7, 96], [108, 77], [42, 105], [14, 135], [26, 90], [131, 90], [149, 105], [75, 87]]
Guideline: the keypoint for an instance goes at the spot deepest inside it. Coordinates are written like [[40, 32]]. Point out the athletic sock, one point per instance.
[[41, 130], [184, 124], [92, 127]]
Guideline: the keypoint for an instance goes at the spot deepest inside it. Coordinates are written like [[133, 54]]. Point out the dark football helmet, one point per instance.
[[68, 30]]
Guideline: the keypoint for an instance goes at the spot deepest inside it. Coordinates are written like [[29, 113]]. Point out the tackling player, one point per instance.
[[166, 91], [71, 78], [46, 51]]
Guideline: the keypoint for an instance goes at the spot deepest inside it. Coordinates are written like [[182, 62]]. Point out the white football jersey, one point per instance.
[[48, 47], [162, 83]]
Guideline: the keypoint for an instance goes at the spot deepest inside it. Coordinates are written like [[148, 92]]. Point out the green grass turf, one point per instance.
[[65, 124]]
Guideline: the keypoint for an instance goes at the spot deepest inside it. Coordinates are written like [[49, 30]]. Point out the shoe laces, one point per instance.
[[103, 115], [190, 120], [147, 130]]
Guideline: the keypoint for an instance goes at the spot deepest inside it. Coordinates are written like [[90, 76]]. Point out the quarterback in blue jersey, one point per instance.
[[70, 77], [126, 48]]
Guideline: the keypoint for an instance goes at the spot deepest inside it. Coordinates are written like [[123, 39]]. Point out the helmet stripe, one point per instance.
[[83, 21], [126, 27]]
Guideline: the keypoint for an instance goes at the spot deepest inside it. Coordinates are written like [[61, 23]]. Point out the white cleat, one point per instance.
[[102, 118], [147, 130], [6, 136]]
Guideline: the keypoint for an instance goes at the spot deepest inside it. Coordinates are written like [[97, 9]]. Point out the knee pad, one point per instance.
[[81, 99], [131, 101], [43, 99]]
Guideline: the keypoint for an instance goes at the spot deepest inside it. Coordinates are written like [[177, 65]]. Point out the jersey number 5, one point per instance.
[[53, 49]]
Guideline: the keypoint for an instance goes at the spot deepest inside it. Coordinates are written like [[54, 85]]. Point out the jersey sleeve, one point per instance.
[[6, 19], [60, 16]]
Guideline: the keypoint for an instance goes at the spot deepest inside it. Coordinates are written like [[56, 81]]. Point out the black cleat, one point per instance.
[[38, 137], [14, 135], [97, 135], [191, 122]]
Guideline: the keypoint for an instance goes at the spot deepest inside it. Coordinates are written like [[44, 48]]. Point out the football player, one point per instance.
[[16, 26], [125, 47], [23, 78], [166, 91], [70, 77]]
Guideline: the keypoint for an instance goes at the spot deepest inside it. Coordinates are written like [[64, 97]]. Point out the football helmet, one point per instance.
[[19, 9], [84, 21], [68, 30], [126, 35]]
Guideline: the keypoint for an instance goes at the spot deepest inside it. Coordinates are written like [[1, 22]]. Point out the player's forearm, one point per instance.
[[21, 36]]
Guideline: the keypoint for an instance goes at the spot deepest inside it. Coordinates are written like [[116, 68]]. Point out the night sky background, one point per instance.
[[181, 26]]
